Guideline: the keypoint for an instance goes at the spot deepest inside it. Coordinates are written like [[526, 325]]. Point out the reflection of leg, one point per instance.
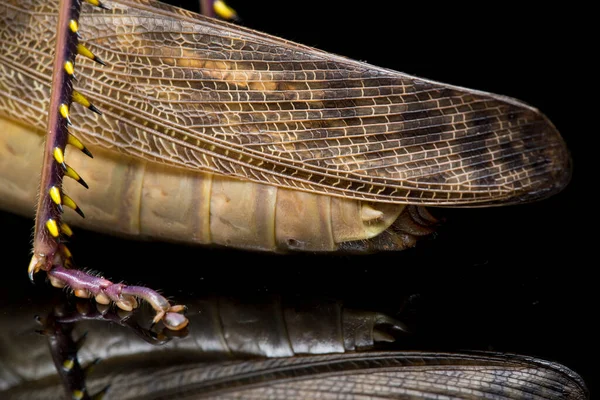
[[64, 354], [58, 327], [104, 291]]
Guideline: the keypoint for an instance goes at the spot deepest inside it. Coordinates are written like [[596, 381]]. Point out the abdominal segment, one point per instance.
[[135, 197]]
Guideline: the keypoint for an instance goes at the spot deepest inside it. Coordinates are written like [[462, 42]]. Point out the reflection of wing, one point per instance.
[[375, 375], [206, 95], [346, 376]]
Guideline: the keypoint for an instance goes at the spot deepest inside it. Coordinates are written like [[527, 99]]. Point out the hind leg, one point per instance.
[[49, 251]]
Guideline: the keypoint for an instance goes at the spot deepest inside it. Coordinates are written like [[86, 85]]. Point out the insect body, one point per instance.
[[218, 134], [132, 197]]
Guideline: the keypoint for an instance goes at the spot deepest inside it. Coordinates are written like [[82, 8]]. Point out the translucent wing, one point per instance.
[[384, 375], [374, 376], [205, 95]]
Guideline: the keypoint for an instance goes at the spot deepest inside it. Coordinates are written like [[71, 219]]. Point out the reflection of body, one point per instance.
[[252, 347], [220, 328]]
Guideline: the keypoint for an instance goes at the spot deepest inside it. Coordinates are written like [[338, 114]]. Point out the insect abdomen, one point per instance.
[[229, 212], [178, 205], [140, 198]]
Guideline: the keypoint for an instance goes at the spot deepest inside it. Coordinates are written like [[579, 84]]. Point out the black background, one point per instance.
[[509, 279]]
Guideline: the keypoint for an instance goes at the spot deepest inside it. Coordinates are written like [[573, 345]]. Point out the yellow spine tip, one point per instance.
[[64, 110], [69, 68], [66, 252], [59, 155], [82, 50], [69, 202], [78, 394], [224, 11], [74, 26], [35, 265], [68, 364], [66, 229], [55, 195], [73, 141], [71, 173], [98, 3], [79, 98], [52, 227]]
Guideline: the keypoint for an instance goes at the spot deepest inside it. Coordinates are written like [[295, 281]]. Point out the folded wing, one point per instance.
[[202, 94]]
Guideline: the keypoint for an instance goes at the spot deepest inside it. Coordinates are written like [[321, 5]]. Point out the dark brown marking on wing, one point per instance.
[[205, 95]]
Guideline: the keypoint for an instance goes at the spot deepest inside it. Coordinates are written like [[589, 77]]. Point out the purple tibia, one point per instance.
[[46, 246], [49, 254], [206, 8], [124, 296]]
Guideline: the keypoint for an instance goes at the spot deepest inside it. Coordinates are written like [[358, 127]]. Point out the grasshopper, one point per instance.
[[214, 134]]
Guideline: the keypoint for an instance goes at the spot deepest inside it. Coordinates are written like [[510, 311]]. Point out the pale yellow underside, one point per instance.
[[133, 197]]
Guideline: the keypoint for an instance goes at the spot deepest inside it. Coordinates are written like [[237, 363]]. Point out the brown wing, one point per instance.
[[202, 94]]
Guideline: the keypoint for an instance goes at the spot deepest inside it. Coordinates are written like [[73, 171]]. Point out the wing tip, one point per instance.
[[558, 166]]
